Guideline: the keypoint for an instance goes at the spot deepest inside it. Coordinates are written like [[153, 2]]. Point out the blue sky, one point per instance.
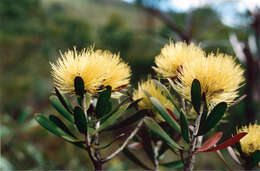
[[227, 9]]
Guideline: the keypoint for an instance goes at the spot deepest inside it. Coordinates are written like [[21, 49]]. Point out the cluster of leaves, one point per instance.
[[176, 124], [84, 116], [155, 137]]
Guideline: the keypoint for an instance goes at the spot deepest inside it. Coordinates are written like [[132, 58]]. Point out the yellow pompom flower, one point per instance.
[[251, 142], [73, 64], [169, 62], [117, 72], [97, 69], [219, 75], [154, 91]]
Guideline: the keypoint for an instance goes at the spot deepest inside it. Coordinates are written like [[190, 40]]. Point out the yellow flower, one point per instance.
[[117, 72], [251, 142], [154, 91], [169, 62], [97, 69], [219, 75], [73, 64]]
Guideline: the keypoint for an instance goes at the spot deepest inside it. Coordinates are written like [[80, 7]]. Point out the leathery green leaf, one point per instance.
[[166, 116], [157, 130], [184, 128], [214, 117], [80, 120], [79, 86], [103, 104], [112, 119], [53, 128], [196, 95], [55, 102]]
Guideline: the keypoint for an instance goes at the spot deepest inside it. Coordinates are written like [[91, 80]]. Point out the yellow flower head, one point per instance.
[[73, 64], [173, 56], [97, 69], [117, 72], [251, 142], [154, 91], [219, 75]]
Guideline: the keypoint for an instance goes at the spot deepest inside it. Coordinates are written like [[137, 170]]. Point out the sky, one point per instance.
[[240, 5], [227, 9]]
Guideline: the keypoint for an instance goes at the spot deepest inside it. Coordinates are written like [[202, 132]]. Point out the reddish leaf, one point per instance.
[[172, 114], [210, 142], [229, 142]]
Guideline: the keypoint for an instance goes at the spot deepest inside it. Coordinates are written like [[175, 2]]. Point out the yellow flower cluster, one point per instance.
[[173, 56], [154, 91], [219, 75], [251, 142], [97, 69]]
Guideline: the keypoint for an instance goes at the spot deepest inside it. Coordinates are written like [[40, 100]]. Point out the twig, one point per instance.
[[87, 139], [107, 145], [191, 156], [238, 100], [125, 143], [97, 154], [96, 162], [156, 154], [168, 21]]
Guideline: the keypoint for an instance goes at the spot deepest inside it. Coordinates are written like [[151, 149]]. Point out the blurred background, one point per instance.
[[32, 32]]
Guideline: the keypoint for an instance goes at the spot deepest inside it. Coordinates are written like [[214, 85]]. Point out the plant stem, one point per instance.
[[156, 154], [97, 154], [191, 156], [125, 143], [94, 157]]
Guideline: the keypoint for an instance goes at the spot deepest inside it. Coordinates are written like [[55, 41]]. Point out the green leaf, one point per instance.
[[164, 88], [79, 86], [60, 108], [104, 118], [214, 117], [78, 144], [135, 103], [166, 116], [184, 128], [132, 157], [103, 104], [196, 95], [53, 128], [157, 130], [112, 119], [63, 100], [128, 121], [80, 120], [80, 100], [254, 159], [174, 164], [26, 112], [60, 124], [204, 113]]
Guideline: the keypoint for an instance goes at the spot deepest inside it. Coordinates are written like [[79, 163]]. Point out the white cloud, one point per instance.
[[242, 5], [248, 4], [183, 5]]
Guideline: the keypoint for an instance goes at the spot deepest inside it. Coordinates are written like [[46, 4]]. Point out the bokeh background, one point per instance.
[[32, 32]]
